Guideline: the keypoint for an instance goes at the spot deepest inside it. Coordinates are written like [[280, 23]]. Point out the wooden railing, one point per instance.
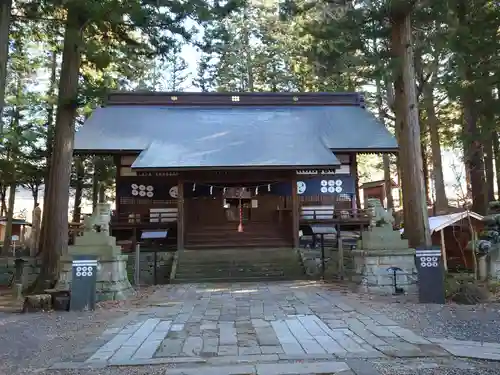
[[154, 218], [324, 214]]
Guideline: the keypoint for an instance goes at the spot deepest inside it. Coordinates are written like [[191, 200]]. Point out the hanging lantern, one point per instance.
[[194, 186], [211, 190], [269, 187]]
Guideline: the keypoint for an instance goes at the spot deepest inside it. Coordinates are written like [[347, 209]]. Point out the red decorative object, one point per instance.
[[240, 226]]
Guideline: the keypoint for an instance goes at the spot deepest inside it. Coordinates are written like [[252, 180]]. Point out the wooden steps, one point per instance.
[[227, 236]]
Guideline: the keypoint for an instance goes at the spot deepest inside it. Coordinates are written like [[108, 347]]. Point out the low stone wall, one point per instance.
[[371, 270], [368, 269], [31, 270], [311, 260], [147, 267]]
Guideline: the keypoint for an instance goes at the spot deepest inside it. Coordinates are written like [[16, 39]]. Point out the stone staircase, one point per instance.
[[248, 264]]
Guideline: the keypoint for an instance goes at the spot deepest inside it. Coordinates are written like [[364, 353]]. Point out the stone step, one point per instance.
[[249, 255], [236, 278], [257, 258], [228, 273], [196, 270], [235, 264]]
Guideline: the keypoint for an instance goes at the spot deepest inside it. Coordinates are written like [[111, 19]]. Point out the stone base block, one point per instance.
[[372, 274], [112, 279], [311, 260], [382, 238]]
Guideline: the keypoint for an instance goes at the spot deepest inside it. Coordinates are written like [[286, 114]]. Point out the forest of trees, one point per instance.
[[430, 68]]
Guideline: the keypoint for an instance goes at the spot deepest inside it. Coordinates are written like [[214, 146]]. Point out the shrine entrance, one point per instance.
[[237, 203], [238, 209], [236, 214]]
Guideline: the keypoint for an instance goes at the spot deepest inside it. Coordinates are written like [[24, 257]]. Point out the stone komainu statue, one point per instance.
[[380, 217], [99, 220]]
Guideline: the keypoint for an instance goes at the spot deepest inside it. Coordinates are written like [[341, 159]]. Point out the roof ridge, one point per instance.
[[235, 98]]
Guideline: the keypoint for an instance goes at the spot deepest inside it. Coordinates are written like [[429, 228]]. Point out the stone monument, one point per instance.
[[379, 250], [35, 230], [112, 278]]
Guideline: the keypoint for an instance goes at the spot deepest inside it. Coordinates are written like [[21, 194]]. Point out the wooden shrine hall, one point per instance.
[[233, 169]]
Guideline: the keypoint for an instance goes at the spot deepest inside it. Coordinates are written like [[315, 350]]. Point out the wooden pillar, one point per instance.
[[180, 214], [118, 162], [356, 204], [295, 212], [443, 250]]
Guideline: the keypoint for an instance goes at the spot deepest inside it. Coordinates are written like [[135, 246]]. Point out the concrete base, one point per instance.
[[370, 270], [112, 278]]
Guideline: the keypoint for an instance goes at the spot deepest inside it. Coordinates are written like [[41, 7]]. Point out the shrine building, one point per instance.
[[233, 170]]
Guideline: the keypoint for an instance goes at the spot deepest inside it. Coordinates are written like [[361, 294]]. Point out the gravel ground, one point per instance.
[[443, 367], [393, 367], [29, 342], [449, 321], [461, 322]]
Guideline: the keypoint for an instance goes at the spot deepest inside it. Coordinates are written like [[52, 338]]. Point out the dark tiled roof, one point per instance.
[[194, 136], [3, 221]]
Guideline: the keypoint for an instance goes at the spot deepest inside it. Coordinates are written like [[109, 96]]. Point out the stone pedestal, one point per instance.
[[372, 275], [382, 238], [380, 249], [112, 278]]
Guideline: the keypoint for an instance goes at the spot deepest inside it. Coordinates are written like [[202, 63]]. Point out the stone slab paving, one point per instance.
[[470, 349], [257, 328]]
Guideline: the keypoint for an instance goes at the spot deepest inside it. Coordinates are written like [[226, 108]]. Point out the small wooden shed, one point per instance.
[[376, 190], [452, 232]]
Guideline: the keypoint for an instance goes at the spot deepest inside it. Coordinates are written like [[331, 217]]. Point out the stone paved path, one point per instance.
[[248, 328]]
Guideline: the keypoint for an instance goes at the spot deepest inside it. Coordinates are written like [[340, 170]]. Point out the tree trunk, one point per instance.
[[80, 174], [487, 130], [385, 157], [425, 169], [441, 202], [13, 154], [416, 220], [496, 152], [35, 193], [3, 203], [56, 232], [472, 140], [10, 216], [5, 16], [474, 155], [102, 192], [49, 144], [488, 168], [388, 181], [95, 184]]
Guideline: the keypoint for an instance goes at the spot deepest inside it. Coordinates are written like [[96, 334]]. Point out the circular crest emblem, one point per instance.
[[174, 192], [301, 187]]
